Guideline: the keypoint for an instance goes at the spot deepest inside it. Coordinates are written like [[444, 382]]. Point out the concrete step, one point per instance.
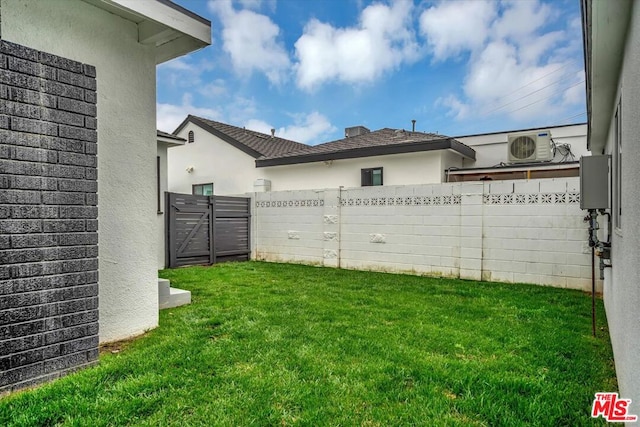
[[169, 297]]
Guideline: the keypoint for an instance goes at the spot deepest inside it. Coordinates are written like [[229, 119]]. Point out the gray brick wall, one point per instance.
[[48, 216]]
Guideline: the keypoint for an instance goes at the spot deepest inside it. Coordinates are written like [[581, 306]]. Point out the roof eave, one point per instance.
[[604, 49], [169, 140], [172, 30], [443, 144]]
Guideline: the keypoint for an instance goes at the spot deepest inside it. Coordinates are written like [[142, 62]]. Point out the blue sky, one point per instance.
[[310, 68]]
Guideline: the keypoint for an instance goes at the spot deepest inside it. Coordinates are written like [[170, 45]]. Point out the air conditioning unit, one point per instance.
[[530, 147]]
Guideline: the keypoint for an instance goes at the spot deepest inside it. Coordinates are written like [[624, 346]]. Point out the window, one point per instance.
[[371, 176], [158, 193], [202, 189], [617, 163], [191, 137]]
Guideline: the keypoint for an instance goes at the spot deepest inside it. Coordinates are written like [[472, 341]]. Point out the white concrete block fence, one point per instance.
[[508, 231]]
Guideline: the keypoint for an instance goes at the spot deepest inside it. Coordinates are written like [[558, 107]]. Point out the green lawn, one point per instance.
[[279, 344]]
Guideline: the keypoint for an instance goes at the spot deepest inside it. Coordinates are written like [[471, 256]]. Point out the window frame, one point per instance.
[[366, 176], [617, 168], [193, 189]]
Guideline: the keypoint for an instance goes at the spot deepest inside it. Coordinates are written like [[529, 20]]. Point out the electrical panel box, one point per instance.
[[594, 182]]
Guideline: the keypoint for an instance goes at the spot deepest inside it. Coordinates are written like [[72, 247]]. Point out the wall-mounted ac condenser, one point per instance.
[[529, 147]]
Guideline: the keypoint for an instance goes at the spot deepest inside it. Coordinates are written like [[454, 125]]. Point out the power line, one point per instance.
[[525, 96], [544, 99], [536, 80], [566, 119]]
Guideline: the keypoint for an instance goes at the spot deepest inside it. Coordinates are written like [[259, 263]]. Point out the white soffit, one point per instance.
[[608, 28], [172, 29], [168, 142]]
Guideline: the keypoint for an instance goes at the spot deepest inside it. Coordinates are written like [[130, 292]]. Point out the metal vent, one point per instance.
[[355, 131]]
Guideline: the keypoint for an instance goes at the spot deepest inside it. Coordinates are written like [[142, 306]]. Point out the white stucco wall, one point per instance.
[[398, 169], [491, 149], [527, 231], [214, 161], [622, 282], [126, 147]]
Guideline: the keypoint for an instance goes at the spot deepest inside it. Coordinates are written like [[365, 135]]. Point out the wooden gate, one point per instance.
[[206, 229]]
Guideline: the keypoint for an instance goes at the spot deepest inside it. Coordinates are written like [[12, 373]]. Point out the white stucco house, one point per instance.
[[220, 158], [124, 40], [612, 51], [363, 158], [224, 159]]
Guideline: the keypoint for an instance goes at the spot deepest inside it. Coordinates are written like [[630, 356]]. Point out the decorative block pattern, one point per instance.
[[530, 199], [403, 201], [48, 216], [290, 203]]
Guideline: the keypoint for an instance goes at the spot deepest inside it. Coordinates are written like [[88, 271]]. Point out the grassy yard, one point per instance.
[[277, 344]]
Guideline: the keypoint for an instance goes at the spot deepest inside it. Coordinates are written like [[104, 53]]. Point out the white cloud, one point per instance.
[[307, 128], [182, 72], [240, 109], [258, 4], [259, 126], [531, 50], [451, 27], [169, 116], [176, 64], [251, 40], [250, 4], [383, 39], [521, 19], [495, 72], [575, 95], [215, 89], [457, 109], [513, 70], [500, 83]]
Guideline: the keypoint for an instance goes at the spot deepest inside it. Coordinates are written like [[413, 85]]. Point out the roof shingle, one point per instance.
[[382, 137], [271, 151], [381, 142], [253, 143]]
